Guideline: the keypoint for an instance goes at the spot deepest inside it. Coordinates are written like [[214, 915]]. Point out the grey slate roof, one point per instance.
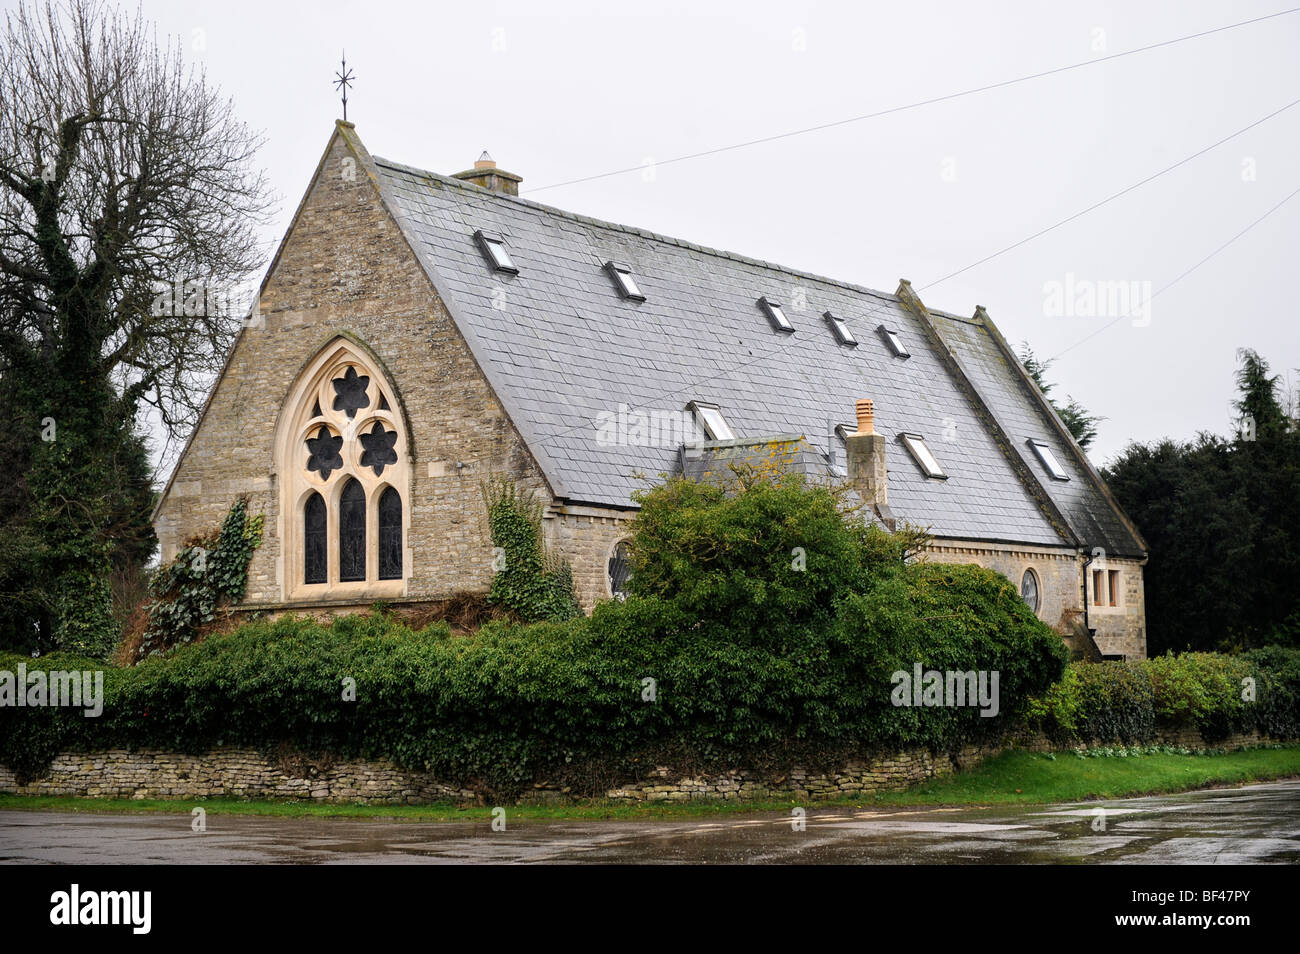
[[1021, 415], [560, 347]]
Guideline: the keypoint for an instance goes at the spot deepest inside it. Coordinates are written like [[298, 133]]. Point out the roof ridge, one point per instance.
[[643, 233]]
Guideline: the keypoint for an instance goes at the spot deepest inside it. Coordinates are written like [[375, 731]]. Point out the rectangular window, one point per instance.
[[1048, 459], [920, 452], [894, 341], [494, 247], [1096, 587], [711, 419], [623, 278], [775, 314], [1113, 581], [841, 329]]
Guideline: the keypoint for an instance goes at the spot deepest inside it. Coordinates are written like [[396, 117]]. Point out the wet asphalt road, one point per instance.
[[1252, 825]]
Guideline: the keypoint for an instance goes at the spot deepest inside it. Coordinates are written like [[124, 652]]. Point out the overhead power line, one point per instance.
[[1169, 285], [916, 105], [1114, 196]]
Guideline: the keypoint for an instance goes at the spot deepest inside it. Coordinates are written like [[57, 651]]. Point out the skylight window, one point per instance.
[[841, 329], [626, 283], [920, 452], [894, 341], [775, 314], [711, 419], [1048, 459], [494, 247]]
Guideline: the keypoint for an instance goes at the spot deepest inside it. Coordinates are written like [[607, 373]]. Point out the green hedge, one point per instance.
[[763, 626], [1128, 702]]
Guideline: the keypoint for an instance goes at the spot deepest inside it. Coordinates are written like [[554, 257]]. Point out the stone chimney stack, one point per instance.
[[866, 463], [486, 174]]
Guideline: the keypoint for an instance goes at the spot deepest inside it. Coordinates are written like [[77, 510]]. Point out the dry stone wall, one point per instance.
[[231, 772]]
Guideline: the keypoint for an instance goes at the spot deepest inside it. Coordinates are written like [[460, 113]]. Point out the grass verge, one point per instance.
[[1013, 778]]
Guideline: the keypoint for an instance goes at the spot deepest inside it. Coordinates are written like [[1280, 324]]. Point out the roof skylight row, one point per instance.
[[493, 247], [839, 326]]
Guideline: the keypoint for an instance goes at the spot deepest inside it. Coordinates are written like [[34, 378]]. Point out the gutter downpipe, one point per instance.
[[1086, 625]]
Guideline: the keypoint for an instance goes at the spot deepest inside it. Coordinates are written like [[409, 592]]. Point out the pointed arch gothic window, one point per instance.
[[315, 546], [352, 532], [390, 535], [341, 460]]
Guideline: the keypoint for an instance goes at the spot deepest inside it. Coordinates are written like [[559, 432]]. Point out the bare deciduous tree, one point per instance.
[[121, 171], [129, 207]]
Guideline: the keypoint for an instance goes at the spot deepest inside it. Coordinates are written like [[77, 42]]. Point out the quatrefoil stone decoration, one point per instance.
[[323, 451], [350, 392], [378, 449]]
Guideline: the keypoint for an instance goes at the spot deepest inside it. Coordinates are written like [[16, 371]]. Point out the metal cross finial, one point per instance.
[[343, 81]]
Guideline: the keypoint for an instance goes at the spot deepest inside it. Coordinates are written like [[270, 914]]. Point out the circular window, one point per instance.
[[1029, 589], [620, 569]]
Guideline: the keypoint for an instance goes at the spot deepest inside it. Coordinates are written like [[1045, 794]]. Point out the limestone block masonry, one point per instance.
[[230, 772], [346, 270]]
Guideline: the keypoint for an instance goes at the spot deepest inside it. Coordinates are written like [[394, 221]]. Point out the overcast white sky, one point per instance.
[[558, 90]]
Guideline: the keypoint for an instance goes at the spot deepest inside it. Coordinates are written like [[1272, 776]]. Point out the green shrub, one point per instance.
[[528, 580], [1277, 691], [1107, 702], [208, 573], [1126, 702], [763, 627], [1202, 690]]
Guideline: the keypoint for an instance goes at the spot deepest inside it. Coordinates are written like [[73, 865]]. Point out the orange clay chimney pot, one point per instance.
[[866, 418]]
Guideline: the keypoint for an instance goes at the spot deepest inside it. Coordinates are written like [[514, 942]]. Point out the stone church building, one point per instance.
[[417, 333]]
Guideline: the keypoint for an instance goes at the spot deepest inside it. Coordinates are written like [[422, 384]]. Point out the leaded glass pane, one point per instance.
[[323, 453], [620, 569], [352, 532], [1029, 589], [378, 448], [350, 392], [315, 547], [390, 535]]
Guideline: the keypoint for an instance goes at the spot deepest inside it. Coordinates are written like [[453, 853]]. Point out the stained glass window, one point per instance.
[[1029, 589], [378, 448], [324, 453], [390, 535], [350, 392], [620, 569], [352, 532], [314, 543]]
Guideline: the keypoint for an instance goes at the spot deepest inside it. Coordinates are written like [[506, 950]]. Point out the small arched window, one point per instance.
[[352, 532], [620, 569], [1029, 589], [390, 535], [315, 545]]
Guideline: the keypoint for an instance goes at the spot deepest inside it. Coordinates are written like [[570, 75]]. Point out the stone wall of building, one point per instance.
[[585, 536], [1121, 629], [1057, 570], [231, 772], [345, 268]]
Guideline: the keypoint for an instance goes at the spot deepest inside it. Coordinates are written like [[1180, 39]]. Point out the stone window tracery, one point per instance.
[[341, 461]]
